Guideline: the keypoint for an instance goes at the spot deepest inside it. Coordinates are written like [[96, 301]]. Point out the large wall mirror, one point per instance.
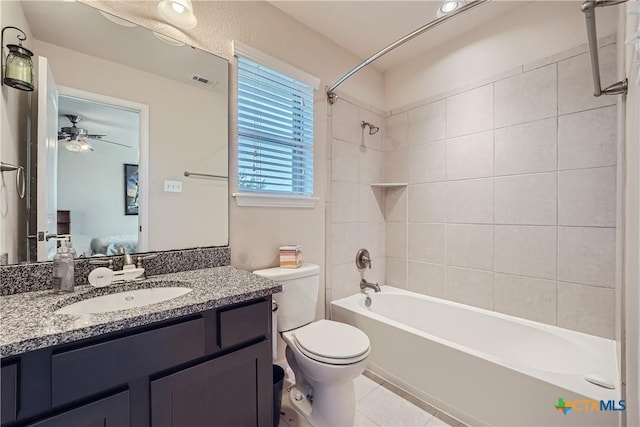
[[122, 114]]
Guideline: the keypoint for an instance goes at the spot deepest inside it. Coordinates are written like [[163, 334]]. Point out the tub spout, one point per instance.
[[364, 285]]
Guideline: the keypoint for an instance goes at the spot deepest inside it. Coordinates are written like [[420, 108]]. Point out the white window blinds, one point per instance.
[[275, 132]]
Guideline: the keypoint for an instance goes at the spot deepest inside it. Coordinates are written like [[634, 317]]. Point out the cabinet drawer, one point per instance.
[[241, 324], [9, 392], [81, 372]]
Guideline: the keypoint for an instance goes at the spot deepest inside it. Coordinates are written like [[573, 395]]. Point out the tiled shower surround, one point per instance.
[[511, 196]]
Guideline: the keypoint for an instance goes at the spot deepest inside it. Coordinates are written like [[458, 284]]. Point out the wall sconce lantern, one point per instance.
[[17, 67]]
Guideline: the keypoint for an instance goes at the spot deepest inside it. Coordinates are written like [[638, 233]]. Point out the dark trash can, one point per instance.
[[278, 383]]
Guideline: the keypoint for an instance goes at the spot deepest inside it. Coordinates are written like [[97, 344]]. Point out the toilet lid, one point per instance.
[[332, 340]]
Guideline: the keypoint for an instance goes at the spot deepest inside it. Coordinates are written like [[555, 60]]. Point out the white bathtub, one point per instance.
[[482, 367]]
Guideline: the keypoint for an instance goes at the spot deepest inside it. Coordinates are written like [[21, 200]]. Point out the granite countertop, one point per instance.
[[28, 322]]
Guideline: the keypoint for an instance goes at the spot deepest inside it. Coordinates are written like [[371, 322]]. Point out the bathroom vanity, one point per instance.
[[202, 359]]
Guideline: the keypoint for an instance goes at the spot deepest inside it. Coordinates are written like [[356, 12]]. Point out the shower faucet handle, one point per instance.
[[363, 259]]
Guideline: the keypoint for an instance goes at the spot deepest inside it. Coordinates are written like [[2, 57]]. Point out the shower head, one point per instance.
[[373, 129]]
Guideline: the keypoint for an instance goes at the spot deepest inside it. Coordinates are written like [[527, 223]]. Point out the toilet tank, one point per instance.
[[299, 296]]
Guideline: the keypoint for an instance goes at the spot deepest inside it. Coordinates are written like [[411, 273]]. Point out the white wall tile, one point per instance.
[[395, 166], [587, 255], [345, 161], [345, 240], [470, 245], [575, 84], [371, 167], [587, 197], [587, 139], [396, 272], [527, 199], [470, 201], [527, 148], [426, 242], [396, 132], [527, 97], [470, 112], [371, 236], [427, 162], [426, 123], [526, 297], [426, 278], [470, 156], [371, 203], [345, 202], [427, 202], [396, 239], [473, 287], [345, 122], [395, 204], [526, 250], [588, 309], [345, 280]]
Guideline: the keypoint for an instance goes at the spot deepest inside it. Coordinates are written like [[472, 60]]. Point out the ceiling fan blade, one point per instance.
[[94, 136], [115, 143]]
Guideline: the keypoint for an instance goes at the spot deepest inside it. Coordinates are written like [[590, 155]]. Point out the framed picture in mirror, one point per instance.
[[130, 189]]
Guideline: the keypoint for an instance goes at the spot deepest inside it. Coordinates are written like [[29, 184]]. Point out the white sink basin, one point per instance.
[[123, 300]]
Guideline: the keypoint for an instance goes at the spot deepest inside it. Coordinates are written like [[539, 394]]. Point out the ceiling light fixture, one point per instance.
[[168, 40], [178, 13], [78, 145], [449, 6], [116, 20]]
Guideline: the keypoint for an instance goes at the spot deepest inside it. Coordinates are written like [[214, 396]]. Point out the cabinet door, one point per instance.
[[112, 411], [232, 390]]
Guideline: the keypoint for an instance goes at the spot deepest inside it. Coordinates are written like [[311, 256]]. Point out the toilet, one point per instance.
[[325, 356]]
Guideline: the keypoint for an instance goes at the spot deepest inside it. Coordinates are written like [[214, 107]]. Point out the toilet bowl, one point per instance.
[[325, 356]]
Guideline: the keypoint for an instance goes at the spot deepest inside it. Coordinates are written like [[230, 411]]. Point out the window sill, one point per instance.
[[275, 200]]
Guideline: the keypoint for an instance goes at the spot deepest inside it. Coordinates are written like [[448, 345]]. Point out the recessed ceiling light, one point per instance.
[[178, 13], [449, 6]]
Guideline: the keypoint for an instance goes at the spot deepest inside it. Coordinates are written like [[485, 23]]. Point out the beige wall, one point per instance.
[[537, 30], [14, 107], [176, 144], [256, 233]]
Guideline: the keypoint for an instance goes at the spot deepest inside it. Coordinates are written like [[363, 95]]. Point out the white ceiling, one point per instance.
[[365, 27], [79, 27]]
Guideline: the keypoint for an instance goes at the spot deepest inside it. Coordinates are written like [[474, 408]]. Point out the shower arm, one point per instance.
[[330, 92]]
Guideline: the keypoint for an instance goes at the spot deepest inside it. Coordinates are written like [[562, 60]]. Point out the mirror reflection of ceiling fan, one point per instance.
[[77, 139]]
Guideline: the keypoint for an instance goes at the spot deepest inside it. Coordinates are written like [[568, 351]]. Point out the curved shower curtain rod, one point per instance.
[[330, 92]]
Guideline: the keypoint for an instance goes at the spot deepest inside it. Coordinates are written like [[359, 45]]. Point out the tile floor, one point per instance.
[[377, 405]]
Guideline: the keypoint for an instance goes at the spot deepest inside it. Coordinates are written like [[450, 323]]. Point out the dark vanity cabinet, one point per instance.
[[208, 369]]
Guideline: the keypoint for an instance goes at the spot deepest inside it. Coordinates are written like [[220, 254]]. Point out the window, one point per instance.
[[275, 127]]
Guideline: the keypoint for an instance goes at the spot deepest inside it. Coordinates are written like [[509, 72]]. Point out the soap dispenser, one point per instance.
[[63, 270]]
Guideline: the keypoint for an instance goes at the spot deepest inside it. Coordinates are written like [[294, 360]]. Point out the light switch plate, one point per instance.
[[173, 186]]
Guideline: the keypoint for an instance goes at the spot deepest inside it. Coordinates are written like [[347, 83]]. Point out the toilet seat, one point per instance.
[[332, 342]]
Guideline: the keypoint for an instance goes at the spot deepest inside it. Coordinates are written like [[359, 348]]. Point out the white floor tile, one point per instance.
[[388, 409], [364, 386], [436, 422], [364, 421]]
